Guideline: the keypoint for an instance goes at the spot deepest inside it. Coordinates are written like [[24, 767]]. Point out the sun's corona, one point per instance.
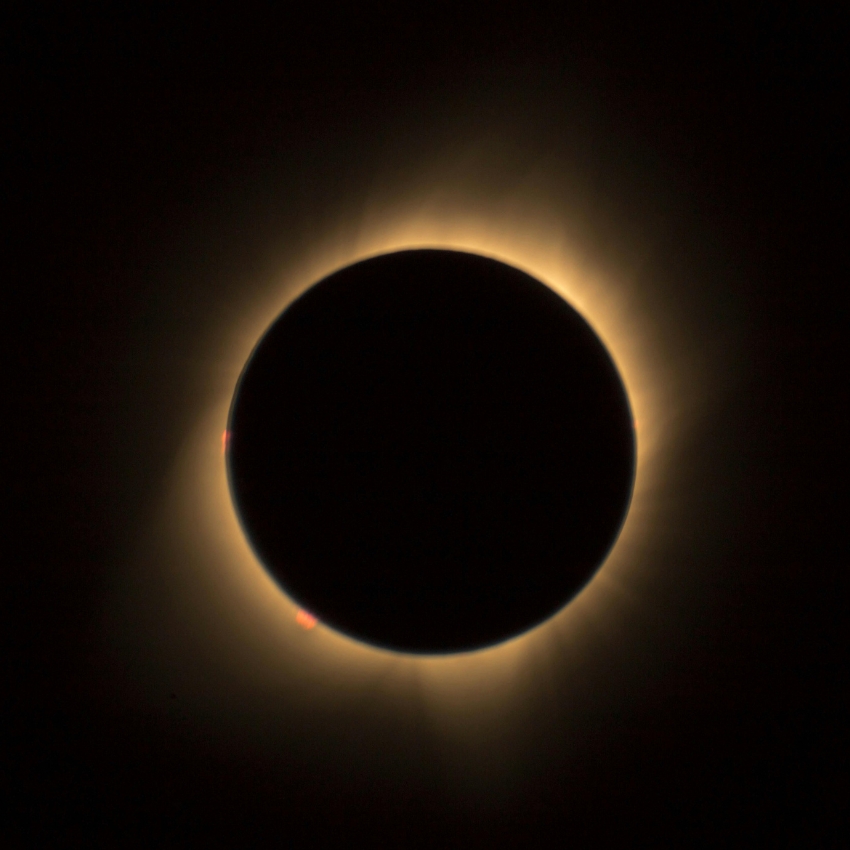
[[243, 615]]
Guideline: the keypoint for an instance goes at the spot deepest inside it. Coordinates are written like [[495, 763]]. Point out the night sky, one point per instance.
[[162, 171]]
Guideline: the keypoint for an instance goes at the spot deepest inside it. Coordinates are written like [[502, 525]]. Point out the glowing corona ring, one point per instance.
[[263, 636]]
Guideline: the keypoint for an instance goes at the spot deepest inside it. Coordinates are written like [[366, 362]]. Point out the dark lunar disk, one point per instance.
[[431, 451]]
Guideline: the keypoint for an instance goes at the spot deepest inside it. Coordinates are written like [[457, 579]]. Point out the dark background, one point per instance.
[[121, 125]]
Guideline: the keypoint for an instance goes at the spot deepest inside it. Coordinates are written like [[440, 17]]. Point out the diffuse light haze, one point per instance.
[[238, 641]]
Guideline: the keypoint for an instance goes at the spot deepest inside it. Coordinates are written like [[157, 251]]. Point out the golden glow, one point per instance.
[[255, 637]]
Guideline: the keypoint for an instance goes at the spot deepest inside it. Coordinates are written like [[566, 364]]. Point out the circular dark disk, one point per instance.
[[431, 451]]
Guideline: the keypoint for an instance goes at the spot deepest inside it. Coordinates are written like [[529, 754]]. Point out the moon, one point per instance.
[[431, 451]]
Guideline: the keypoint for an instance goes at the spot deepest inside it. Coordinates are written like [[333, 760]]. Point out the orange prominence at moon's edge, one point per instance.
[[305, 619]]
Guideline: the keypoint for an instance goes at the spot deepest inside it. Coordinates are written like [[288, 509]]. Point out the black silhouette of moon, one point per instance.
[[431, 451]]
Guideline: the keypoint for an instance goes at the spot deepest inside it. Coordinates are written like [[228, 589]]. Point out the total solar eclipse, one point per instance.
[[430, 451]]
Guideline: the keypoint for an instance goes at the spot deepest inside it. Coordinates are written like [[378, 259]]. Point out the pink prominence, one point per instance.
[[305, 619]]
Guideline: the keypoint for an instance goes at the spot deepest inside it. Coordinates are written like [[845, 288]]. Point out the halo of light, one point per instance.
[[250, 631]]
